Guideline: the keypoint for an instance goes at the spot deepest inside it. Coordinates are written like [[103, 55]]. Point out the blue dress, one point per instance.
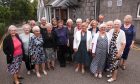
[[81, 56], [130, 36]]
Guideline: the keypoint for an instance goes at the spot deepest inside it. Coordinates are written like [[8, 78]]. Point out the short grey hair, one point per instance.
[[128, 16], [48, 25], [79, 20], [36, 28], [11, 27], [69, 20], [102, 25], [26, 26], [118, 21], [43, 18], [109, 22]]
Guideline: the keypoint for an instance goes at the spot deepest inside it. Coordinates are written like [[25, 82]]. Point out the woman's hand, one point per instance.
[[93, 55], [132, 45], [75, 50], [118, 54]]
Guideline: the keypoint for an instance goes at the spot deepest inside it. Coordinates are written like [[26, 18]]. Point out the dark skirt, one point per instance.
[[14, 67]]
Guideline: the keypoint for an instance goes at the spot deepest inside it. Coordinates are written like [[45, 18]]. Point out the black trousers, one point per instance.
[[28, 64], [61, 53], [69, 54]]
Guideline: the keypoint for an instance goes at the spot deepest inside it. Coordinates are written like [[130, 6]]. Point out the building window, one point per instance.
[[138, 11]]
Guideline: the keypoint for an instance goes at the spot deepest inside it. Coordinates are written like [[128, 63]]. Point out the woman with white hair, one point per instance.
[[109, 25], [99, 51], [130, 33], [36, 51], [70, 39], [13, 49], [50, 46], [78, 25], [116, 48], [25, 37]]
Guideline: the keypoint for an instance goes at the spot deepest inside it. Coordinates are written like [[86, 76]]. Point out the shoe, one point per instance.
[[109, 75], [45, 73], [52, 67], [111, 80], [17, 82], [28, 72], [20, 77], [95, 75], [77, 69], [33, 70], [62, 65], [100, 76], [83, 71], [123, 67], [38, 74]]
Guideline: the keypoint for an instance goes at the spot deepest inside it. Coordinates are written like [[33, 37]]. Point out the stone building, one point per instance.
[[112, 9]]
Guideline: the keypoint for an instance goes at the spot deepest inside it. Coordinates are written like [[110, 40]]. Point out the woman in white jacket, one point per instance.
[[82, 45], [99, 51]]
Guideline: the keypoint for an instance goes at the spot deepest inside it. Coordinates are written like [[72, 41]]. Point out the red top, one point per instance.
[[17, 47]]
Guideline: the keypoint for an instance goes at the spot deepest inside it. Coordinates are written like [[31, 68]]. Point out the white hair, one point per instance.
[[69, 20], [49, 25], [102, 25], [36, 28], [79, 20], [43, 18], [12, 27], [26, 26], [118, 21], [128, 16], [109, 22]]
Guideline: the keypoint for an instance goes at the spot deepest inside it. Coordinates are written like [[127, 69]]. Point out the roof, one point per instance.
[[62, 3]]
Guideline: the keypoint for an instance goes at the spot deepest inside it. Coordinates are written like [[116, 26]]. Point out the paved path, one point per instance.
[[68, 76]]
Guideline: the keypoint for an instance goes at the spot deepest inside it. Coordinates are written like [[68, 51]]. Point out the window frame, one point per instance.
[[138, 11]]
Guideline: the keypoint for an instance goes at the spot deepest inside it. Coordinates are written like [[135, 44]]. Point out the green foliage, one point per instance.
[[16, 11], [2, 29]]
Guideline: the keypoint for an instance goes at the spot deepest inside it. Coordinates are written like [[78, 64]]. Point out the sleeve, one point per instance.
[[94, 42], [134, 33], [74, 41], [5, 47], [123, 37]]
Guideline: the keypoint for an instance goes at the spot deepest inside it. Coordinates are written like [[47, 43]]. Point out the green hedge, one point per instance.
[[2, 29]]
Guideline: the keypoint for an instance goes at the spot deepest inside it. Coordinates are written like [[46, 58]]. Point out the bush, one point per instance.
[[2, 29]]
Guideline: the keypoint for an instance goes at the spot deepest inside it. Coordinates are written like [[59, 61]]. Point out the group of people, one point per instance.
[[97, 45]]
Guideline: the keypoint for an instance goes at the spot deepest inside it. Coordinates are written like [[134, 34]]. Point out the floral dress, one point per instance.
[[112, 61], [36, 50]]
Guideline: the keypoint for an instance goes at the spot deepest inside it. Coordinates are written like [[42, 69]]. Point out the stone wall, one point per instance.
[[118, 12], [85, 9]]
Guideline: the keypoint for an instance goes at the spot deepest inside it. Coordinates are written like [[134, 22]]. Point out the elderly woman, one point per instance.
[[50, 46], [36, 51], [116, 48], [54, 24], [130, 33], [32, 23], [13, 49], [100, 51], [70, 39], [25, 37], [43, 25], [78, 25], [82, 45], [94, 29], [109, 25], [62, 41]]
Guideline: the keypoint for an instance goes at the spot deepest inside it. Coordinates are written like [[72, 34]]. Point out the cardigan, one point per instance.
[[8, 47], [77, 40]]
